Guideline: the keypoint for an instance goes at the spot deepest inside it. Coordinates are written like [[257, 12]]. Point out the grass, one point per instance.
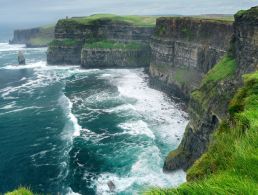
[[20, 191], [64, 42], [250, 14], [109, 44], [44, 37], [224, 68], [230, 166], [208, 90], [40, 41], [145, 21]]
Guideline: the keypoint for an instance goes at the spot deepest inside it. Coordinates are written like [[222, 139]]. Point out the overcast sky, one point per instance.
[[48, 11]]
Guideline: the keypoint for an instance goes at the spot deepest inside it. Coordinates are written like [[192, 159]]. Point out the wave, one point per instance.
[[137, 128], [144, 173], [72, 123]]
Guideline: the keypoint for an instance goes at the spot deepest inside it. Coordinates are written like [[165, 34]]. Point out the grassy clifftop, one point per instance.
[[109, 44], [132, 20], [43, 37], [230, 165]]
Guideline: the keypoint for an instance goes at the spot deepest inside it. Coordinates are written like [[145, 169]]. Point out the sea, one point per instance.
[[67, 130]]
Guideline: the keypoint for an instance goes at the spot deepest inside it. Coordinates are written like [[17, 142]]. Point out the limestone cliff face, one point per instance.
[[208, 104], [246, 40], [65, 55], [23, 36], [184, 49], [35, 37], [115, 58], [101, 29]]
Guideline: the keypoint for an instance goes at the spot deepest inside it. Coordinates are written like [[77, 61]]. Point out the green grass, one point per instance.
[[20, 191], [208, 90], [250, 14], [133, 20], [221, 70], [40, 41], [230, 166], [64, 42], [109, 44], [44, 37]]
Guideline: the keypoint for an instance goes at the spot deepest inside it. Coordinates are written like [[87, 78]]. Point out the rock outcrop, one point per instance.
[[21, 58], [97, 30], [208, 104], [34, 37], [184, 49], [115, 58]]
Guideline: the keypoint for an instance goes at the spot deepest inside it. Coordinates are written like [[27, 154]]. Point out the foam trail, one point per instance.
[[72, 120]]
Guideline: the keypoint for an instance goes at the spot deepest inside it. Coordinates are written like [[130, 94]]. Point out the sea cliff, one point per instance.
[[184, 49], [100, 35], [34, 37]]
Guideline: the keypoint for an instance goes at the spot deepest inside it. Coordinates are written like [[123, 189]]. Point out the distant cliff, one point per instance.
[[34, 37], [102, 41]]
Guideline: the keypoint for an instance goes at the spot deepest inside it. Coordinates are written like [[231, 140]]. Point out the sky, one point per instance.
[[37, 12]]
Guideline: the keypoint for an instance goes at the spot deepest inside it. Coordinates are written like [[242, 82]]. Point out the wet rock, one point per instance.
[[111, 186], [21, 58]]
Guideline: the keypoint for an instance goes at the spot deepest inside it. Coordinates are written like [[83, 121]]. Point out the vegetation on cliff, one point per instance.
[[110, 44], [131, 20], [20, 191], [43, 38], [208, 90], [230, 164], [64, 42]]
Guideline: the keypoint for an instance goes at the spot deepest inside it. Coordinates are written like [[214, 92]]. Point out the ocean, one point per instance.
[[68, 130]]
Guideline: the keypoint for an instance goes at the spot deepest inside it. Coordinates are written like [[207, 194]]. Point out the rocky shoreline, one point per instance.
[[182, 52]]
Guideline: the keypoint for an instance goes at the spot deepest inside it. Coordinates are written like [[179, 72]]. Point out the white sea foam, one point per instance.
[[72, 123], [145, 172], [162, 121], [136, 128], [8, 47]]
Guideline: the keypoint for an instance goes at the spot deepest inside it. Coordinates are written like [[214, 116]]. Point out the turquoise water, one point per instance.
[[68, 130]]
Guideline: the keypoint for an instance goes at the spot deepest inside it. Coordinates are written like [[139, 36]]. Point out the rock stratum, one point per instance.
[[102, 41], [185, 49], [201, 61], [34, 37]]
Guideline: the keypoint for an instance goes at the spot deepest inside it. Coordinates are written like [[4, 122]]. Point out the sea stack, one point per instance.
[[21, 58]]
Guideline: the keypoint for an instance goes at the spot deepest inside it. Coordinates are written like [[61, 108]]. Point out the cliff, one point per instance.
[[184, 49], [104, 54], [126, 30], [208, 106], [35, 37]]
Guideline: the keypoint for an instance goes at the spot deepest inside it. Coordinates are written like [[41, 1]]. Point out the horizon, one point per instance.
[[43, 12]]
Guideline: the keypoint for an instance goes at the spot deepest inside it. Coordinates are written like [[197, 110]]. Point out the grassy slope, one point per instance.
[[20, 191], [44, 37], [133, 20], [230, 165], [109, 44], [64, 42]]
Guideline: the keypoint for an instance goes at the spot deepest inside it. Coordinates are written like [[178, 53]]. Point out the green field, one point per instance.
[[132, 20], [109, 44]]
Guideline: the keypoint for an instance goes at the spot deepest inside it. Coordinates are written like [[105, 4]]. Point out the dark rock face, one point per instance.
[[23, 36], [65, 55], [204, 119], [116, 58], [21, 59], [184, 49], [246, 40], [100, 29]]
